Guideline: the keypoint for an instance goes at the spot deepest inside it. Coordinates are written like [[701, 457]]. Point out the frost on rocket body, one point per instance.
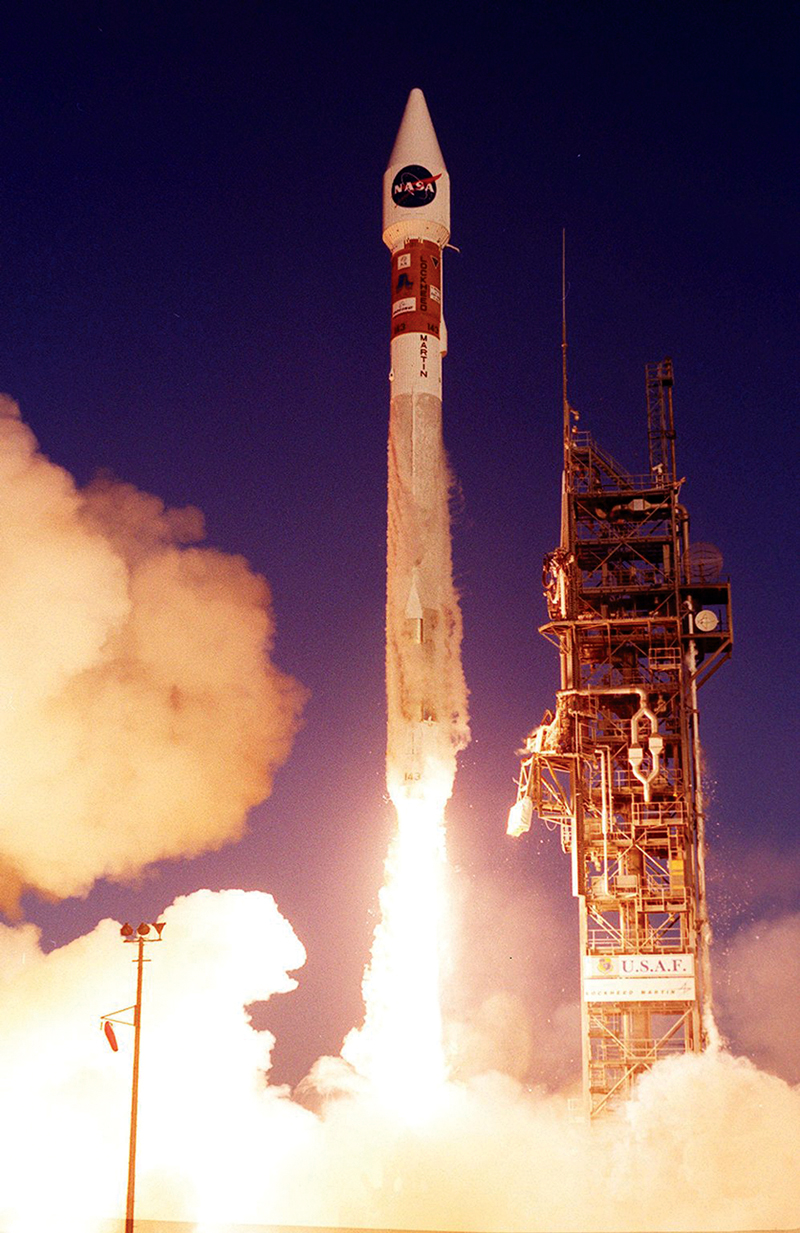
[[419, 546], [140, 714]]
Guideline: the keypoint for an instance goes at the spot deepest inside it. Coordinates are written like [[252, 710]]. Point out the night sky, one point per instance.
[[195, 297]]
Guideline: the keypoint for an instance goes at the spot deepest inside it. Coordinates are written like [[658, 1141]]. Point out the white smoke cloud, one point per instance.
[[756, 978], [708, 1142], [66, 1097], [511, 993], [140, 714]]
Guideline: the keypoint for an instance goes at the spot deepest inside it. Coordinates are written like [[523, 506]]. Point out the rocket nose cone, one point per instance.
[[416, 138], [416, 186]]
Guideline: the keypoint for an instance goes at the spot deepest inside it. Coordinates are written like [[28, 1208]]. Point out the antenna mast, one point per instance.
[[565, 407], [564, 398]]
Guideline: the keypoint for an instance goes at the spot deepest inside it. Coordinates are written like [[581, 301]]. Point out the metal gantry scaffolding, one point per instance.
[[641, 619]]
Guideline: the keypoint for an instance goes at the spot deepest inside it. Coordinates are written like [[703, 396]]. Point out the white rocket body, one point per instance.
[[426, 696]]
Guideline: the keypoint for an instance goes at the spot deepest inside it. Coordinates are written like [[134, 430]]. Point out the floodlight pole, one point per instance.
[[137, 1031], [139, 936]]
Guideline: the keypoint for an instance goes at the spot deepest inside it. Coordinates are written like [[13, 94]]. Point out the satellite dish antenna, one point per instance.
[[704, 563]]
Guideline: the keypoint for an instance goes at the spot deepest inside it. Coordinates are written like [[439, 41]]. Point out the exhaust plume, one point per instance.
[[140, 715]]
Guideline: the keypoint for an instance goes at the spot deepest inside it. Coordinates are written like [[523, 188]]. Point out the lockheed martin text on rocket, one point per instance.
[[426, 693]]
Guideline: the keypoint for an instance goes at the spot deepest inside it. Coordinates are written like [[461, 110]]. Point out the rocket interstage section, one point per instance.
[[417, 317], [417, 289]]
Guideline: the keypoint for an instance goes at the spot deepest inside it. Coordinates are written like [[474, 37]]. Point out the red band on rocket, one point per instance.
[[417, 289]]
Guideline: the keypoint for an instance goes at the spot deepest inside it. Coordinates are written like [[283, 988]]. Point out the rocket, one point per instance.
[[426, 695]]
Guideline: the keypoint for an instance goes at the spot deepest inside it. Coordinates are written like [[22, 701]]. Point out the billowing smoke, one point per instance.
[[140, 715], [708, 1142], [66, 1096], [755, 982]]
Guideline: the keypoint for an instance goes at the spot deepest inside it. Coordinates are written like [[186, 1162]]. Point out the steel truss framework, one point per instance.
[[641, 620]]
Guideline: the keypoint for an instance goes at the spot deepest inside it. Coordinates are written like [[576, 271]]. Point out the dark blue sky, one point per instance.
[[195, 296]]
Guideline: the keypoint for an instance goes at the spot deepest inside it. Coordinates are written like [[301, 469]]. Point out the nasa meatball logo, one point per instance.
[[414, 186]]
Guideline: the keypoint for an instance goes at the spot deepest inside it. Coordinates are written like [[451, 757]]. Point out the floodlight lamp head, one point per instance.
[[126, 930], [158, 925], [143, 930]]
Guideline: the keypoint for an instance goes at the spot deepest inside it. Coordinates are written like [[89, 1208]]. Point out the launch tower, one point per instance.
[[641, 620]]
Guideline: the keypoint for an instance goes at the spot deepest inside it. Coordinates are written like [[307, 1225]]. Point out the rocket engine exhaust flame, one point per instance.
[[399, 1048]]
